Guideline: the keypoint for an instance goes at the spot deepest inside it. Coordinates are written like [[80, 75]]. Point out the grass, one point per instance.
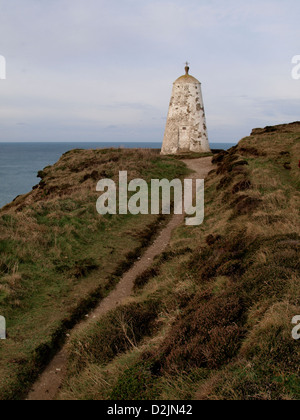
[[225, 293], [191, 155], [58, 257]]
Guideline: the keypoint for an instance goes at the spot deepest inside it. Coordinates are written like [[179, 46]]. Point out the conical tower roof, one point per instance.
[[186, 78]]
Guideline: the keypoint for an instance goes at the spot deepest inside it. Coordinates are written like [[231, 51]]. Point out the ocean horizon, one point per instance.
[[20, 162]]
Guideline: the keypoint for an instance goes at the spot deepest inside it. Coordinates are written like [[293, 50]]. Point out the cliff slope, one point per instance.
[[212, 319]]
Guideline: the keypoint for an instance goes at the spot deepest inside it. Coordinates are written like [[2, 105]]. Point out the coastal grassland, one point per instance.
[[212, 319], [59, 257]]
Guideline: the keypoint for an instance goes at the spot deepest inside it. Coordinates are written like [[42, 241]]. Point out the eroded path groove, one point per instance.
[[50, 381]]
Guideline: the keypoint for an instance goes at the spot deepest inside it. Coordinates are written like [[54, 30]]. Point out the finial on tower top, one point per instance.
[[187, 69]]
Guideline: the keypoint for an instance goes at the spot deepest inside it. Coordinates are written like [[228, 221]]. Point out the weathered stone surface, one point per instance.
[[186, 124]]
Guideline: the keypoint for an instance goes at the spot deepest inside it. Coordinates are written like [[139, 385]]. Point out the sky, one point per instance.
[[102, 70]]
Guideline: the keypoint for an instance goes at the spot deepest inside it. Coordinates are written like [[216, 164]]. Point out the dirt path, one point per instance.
[[50, 381]]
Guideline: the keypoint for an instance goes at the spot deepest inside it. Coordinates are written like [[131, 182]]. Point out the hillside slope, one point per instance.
[[212, 319], [59, 257]]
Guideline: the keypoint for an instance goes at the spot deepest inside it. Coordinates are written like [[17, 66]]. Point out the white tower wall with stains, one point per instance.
[[186, 129]]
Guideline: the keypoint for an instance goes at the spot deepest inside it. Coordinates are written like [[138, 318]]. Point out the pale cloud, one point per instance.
[[93, 70]]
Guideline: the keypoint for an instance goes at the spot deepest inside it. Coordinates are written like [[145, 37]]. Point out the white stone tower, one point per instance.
[[186, 129]]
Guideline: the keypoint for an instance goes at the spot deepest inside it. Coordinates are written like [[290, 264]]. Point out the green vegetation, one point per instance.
[[212, 318], [191, 155], [59, 257]]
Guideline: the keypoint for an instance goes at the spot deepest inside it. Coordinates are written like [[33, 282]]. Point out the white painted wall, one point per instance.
[[186, 124]]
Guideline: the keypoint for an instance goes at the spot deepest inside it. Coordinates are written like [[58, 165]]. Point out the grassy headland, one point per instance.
[[59, 257], [212, 318]]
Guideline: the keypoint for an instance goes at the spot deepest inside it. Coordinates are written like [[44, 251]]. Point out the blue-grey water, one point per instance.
[[20, 162]]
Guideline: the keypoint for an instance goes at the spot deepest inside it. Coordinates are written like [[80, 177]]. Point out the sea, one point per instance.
[[20, 162]]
